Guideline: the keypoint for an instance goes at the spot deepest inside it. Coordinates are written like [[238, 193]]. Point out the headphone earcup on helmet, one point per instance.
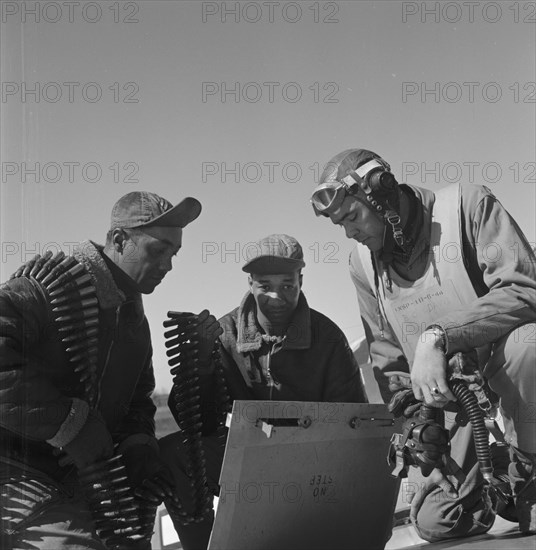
[[382, 182]]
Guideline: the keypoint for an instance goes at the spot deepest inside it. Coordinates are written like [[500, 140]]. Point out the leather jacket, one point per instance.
[[37, 381]]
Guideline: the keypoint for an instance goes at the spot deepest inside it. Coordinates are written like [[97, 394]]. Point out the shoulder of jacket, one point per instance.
[[321, 320], [26, 296], [229, 318], [470, 192], [229, 324], [21, 285]]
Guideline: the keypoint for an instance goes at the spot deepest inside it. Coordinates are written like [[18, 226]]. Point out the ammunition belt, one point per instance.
[[74, 304], [182, 351], [121, 519]]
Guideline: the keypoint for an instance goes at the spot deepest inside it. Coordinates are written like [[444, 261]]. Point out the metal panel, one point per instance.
[[303, 475]]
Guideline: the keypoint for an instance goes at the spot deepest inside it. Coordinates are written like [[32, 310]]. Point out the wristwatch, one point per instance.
[[441, 337]]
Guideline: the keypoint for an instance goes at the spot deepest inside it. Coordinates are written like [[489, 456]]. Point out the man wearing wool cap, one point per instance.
[[274, 347]]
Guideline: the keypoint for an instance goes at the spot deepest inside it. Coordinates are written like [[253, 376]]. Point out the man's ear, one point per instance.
[[250, 281], [118, 240], [300, 279]]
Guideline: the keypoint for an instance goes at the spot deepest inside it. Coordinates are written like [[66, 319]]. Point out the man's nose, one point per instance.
[[274, 295], [166, 265]]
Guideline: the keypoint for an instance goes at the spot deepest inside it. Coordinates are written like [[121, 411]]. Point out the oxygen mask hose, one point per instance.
[[468, 401]]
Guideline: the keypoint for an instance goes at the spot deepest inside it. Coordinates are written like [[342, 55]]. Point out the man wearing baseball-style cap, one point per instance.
[[274, 347], [76, 376], [145, 233]]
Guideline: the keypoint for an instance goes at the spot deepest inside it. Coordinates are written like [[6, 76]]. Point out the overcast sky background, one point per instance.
[[444, 92]]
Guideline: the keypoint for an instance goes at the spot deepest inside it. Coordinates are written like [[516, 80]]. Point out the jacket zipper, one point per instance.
[[269, 372]]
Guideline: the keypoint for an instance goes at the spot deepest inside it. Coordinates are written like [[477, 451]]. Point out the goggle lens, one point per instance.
[[328, 196]]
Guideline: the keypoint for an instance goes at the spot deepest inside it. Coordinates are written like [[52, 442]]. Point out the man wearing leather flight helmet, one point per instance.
[[428, 287]]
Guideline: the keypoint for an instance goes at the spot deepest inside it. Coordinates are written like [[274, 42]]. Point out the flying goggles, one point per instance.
[[373, 178]]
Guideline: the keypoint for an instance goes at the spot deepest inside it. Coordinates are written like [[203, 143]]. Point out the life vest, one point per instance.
[[411, 306]]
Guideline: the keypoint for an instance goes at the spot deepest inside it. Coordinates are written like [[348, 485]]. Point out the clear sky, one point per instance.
[[240, 104]]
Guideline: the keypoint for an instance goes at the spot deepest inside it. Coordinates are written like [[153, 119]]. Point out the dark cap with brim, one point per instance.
[[144, 209], [275, 254]]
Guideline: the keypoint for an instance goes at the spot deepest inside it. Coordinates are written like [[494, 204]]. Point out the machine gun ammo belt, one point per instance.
[[182, 350], [121, 519], [74, 304]]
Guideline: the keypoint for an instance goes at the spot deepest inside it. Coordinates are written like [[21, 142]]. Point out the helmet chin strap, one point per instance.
[[385, 255], [393, 235], [393, 219]]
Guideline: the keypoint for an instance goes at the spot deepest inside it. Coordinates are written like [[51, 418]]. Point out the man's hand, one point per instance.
[[208, 330], [92, 443], [148, 475], [428, 373]]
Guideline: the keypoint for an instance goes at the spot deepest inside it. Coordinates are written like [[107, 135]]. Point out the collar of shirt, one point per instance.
[[121, 279]]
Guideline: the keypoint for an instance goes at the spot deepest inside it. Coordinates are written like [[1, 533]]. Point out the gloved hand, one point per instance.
[[208, 330], [398, 381], [148, 475], [92, 443], [404, 403]]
